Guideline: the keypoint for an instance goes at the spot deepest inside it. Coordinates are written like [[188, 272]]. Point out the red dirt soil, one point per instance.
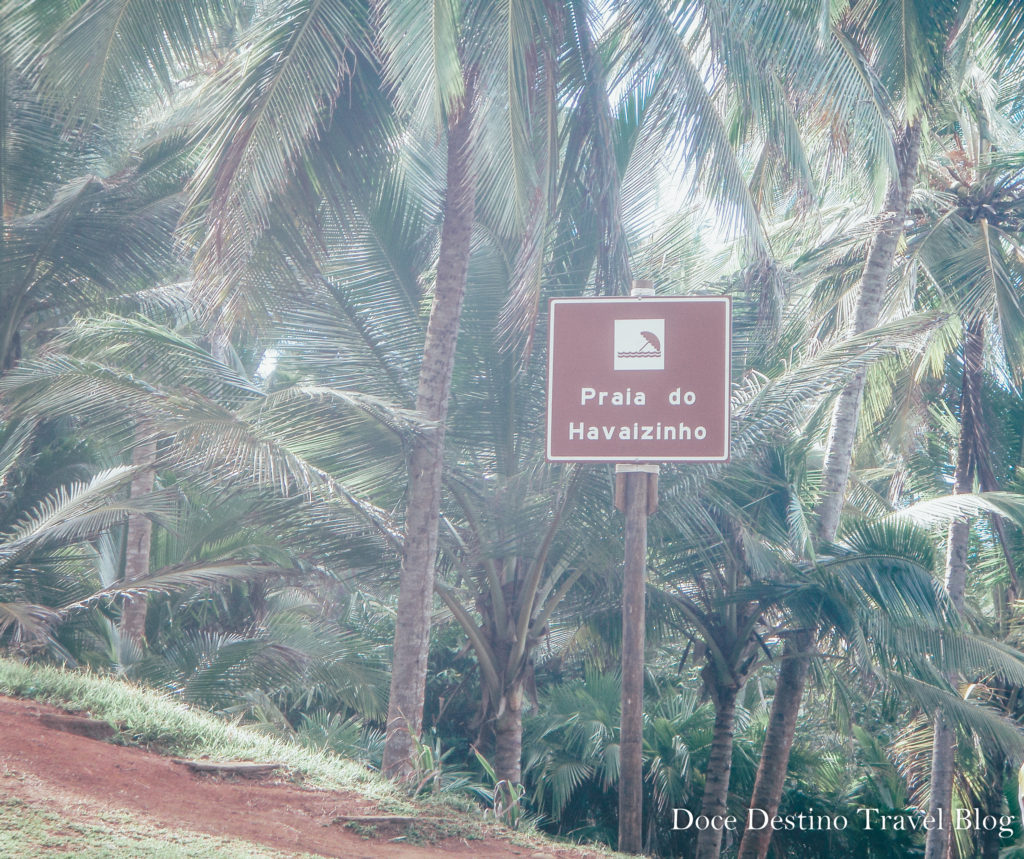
[[80, 777]]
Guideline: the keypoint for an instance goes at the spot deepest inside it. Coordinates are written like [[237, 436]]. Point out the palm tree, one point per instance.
[[730, 629], [319, 200], [250, 90], [523, 533], [571, 763], [496, 100], [272, 648], [426, 459], [965, 223], [969, 254], [260, 113], [667, 95]]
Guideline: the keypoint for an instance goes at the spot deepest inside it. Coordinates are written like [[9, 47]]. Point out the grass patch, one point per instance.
[[26, 830]]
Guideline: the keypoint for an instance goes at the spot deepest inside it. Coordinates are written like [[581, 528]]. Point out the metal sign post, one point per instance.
[[637, 381]]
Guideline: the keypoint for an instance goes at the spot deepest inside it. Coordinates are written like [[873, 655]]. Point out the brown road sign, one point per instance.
[[639, 379]]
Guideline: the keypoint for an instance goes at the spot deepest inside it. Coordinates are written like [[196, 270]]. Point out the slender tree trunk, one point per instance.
[[944, 746], [508, 738], [423, 501], [139, 537], [873, 283], [778, 741], [941, 793], [716, 784], [988, 848], [9, 321], [839, 450]]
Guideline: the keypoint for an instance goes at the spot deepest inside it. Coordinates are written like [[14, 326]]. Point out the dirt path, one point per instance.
[[82, 779]]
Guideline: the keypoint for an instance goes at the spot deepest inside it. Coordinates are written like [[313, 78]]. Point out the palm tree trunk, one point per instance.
[[944, 745], [10, 340], [139, 536], [873, 283], [716, 784], [941, 793], [839, 451], [993, 804], [9, 345], [771, 773], [423, 501], [508, 738]]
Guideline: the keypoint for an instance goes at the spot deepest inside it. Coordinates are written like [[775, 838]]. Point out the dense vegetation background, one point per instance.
[[273, 282]]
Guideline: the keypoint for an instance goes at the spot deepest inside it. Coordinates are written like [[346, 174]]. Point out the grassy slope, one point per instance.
[[154, 719], [150, 718]]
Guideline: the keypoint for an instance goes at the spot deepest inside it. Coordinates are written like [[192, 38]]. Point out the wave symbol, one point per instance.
[[651, 347]]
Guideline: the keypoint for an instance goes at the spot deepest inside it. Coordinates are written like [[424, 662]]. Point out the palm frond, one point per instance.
[[943, 510], [419, 43], [79, 511], [112, 53], [272, 101], [16, 439], [179, 578]]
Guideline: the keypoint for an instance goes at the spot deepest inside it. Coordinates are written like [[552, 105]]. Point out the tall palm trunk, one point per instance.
[[139, 536], [778, 741], [870, 297], [771, 768], [10, 346], [423, 501], [992, 805], [719, 770], [508, 737], [944, 743], [10, 337]]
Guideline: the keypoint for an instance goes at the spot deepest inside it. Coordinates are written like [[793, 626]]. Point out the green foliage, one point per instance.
[[506, 797]]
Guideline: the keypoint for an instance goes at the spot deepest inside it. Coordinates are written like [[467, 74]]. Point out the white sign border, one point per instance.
[[642, 299]]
